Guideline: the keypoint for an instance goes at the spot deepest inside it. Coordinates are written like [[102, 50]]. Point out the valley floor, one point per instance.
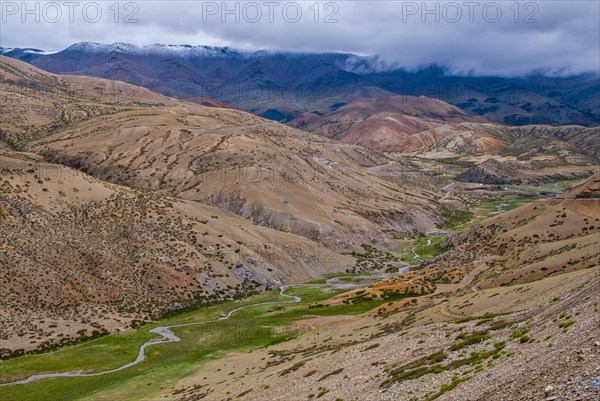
[[550, 323], [354, 336], [157, 249]]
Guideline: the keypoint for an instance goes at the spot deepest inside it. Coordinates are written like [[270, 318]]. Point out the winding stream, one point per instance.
[[167, 336], [416, 255]]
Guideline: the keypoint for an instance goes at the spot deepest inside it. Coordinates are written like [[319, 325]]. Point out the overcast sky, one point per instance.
[[501, 38]]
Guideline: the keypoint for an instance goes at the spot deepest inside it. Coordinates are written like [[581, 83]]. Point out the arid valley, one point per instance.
[[163, 241]]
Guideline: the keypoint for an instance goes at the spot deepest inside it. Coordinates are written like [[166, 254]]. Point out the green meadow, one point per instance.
[[251, 328]]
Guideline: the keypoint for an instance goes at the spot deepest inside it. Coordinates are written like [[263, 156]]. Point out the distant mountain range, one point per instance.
[[126, 213], [229, 194], [410, 124], [283, 85]]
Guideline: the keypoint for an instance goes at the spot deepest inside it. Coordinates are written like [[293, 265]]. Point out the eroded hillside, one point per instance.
[[158, 204], [495, 318], [79, 251], [35, 103], [410, 124]]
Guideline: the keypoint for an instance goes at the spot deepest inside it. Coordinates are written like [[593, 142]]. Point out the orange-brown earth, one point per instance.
[[159, 203], [410, 124], [517, 320]]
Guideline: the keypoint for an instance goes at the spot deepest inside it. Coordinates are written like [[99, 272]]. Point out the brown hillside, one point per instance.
[[76, 249], [35, 103], [382, 123]]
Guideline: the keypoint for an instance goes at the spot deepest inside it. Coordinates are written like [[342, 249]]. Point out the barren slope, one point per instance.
[[78, 250], [512, 315], [558, 146], [35, 103], [419, 353], [410, 124], [272, 174], [540, 239], [382, 123], [497, 172]]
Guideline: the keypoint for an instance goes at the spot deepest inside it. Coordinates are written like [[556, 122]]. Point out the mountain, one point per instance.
[[276, 84], [35, 103], [411, 124], [23, 54], [529, 100], [497, 172], [381, 123], [97, 256], [587, 190], [204, 101], [542, 144], [274, 175], [283, 85], [116, 209], [222, 255], [509, 312], [539, 239]]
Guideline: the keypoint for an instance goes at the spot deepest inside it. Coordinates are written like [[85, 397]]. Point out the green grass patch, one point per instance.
[[292, 368], [255, 327], [454, 218], [415, 369], [475, 337], [424, 247], [494, 206], [447, 387]]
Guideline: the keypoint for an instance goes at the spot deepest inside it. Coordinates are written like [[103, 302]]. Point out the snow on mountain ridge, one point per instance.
[[349, 61], [154, 49]]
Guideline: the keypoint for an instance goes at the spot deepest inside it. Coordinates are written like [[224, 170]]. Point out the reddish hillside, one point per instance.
[[383, 123]]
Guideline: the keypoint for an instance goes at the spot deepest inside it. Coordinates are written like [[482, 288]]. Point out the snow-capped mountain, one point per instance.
[[281, 85]]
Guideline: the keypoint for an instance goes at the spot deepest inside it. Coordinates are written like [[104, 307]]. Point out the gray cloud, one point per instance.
[[554, 37]]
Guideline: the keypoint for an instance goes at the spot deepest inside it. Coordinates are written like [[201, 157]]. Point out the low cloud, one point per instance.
[[468, 37]]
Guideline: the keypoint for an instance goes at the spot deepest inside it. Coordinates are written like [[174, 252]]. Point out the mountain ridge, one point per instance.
[[294, 83]]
